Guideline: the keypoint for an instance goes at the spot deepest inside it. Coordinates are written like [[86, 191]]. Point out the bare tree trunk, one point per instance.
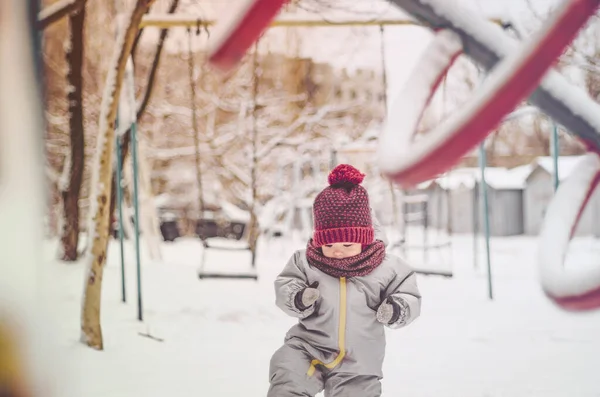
[[70, 193], [101, 187], [154, 68]]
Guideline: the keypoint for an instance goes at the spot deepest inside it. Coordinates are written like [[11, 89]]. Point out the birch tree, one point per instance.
[[91, 330]]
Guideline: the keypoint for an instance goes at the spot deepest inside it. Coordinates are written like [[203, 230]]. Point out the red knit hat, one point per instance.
[[342, 213]]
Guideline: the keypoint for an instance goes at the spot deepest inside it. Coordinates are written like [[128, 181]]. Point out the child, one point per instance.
[[343, 288]]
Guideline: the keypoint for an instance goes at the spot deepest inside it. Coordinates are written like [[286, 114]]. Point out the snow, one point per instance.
[[168, 216], [576, 98], [218, 335], [234, 213], [395, 148], [497, 178], [63, 182], [127, 113], [521, 112], [506, 179], [566, 164], [500, 178], [560, 218], [305, 118]]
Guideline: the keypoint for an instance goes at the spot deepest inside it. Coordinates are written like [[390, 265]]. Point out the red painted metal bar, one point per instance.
[[573, 288], [510, 82], [235, 36]]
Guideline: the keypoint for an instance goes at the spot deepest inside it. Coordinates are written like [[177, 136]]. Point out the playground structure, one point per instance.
[[515, 75], [415, 211], [518, 78], [248, 241], [299, 212], [485, 43]]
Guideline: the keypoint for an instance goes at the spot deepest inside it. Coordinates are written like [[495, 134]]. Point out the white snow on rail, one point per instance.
[[558, 280], [494, 38], [398, 153], [394, 148]]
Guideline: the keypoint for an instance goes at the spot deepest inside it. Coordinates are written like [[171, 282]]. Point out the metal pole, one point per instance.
[[333, 159], [254, 233], [475, 229], [134, 144], [119, 188], [486, 217], [425, 231], [554, 150], [119, 184], [384, 78], [165, 21]]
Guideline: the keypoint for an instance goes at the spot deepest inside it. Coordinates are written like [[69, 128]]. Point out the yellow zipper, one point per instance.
[[341, 334]]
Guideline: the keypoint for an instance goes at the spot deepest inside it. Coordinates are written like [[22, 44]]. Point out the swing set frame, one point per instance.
[[247, 236], [168, 21]]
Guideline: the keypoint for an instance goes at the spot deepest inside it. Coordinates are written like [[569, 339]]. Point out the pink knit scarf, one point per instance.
[[358, 265]]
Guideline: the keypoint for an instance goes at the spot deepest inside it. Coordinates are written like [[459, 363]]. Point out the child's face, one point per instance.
[[341, 250]]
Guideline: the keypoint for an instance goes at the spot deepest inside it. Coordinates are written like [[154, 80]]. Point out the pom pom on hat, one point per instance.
[[345, 173]]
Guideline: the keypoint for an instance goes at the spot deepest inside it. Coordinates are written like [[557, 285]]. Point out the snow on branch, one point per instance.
[[57, 11], [234, 106], [53, 175], [303, 119], [236, 172], [167, 109], [55, 119]]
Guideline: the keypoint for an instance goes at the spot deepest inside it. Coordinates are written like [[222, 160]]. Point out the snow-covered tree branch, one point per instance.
[[57, 11]]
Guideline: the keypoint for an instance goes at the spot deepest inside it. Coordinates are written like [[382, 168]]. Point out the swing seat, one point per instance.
[[224, 268], [431, 270]]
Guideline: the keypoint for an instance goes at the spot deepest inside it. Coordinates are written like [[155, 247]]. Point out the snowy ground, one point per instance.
[[218, 335]]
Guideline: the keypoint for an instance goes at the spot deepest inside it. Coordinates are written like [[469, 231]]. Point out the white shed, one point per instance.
[[505, 200], [455, 200], [451, 201], [539, 191]]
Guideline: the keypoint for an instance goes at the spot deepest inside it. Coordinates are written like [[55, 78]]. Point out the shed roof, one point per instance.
[[497, 178], [566, 164]]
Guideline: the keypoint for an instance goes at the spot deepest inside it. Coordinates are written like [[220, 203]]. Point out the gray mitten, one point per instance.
[[388, 312], [306, 297]]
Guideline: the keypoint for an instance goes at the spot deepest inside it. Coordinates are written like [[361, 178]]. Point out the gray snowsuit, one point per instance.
[[338, 345]]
